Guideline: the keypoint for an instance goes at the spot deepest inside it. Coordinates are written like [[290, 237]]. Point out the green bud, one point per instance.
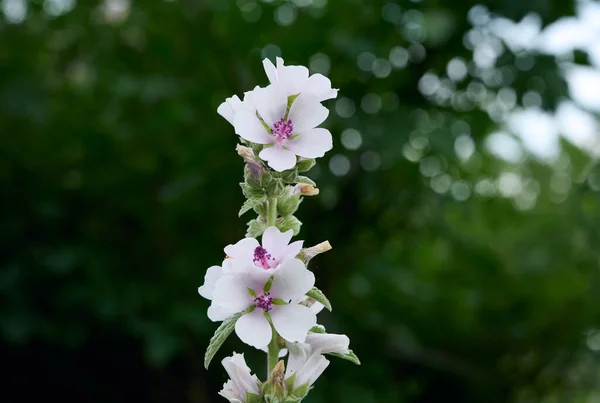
[[287, 205], [275, 389], [305, 165], [289, 222]]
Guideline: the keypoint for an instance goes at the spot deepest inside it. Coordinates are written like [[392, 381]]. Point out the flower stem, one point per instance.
[[273, 353], [272, 211]]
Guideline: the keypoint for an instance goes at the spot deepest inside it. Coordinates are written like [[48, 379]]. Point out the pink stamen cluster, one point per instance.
[[262, 257], [283, 129], [264, 302]]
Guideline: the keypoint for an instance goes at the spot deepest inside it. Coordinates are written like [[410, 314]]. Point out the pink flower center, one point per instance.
[[264, 302], [283, 129], [262, 257]]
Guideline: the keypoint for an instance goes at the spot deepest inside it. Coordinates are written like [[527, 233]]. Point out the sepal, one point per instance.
[[252, 398], [289, 223], [256, 228], [305, 165]]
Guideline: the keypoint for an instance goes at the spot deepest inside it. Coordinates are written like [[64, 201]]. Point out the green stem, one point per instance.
[[273, 352], [272, 211]]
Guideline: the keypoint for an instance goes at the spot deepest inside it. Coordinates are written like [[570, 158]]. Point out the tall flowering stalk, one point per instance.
[[263, 290]]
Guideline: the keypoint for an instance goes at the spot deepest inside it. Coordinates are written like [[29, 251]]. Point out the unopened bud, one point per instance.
[[305, 190], [254, 165], [307, 254]]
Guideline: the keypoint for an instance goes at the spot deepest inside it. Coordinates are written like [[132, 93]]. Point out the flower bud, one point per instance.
[[304, 189], [307, 254], [240, 380], [254, 166]]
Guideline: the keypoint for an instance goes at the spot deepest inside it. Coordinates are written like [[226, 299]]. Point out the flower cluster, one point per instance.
[[263, 290]]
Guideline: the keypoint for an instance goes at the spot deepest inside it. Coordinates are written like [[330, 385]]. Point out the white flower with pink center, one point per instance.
[[240, 380], [285, 133], [296, 80], [276, 248], [268, 293]]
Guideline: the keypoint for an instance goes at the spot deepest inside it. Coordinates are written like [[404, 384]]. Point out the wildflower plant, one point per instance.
[[263, 291]]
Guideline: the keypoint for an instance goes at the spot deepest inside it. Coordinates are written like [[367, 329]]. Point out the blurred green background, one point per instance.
[[461, 196]]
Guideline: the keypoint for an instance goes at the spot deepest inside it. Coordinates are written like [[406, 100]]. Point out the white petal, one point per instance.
[[307, 113], [229, 393], [324, 343], [217, 313], [248, 126], [293, 78], [293, 322], [275, 241], [231, 293], [311, 370], [213, 274], [270, 70], [227, 266], [253, 329], [317, 307], [230, 107], [291, 251], [240, 376], [292, 280], [320, 86], [271, 103], [311, 144], [299, 353], [243, 249], [278, 158], [253, 277]]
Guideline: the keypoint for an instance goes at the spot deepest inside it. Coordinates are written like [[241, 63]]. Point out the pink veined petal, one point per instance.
[[217, 313], [213, 274], [291, 251], [278, 158], [270, 102], [232, 293], [248, 127], [293, 78], [270, 70], [320, 86], [292, 280], [253, 329], [313, 143], [243, 249], [275, 241], [293, 322], [307, 113]]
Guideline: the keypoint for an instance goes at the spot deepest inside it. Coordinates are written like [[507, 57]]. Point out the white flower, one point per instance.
[[295, 80], [249, 289], [306, 359], [284, 134], [241, 381], [233, 104], [275, 249]]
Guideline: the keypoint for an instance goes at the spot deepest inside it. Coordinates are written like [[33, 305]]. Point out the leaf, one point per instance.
[[289, 382], [301, 391], [350, 357], [256, 228], [250, 204], [305, 179], [292, 399], [318, 295], [252, 398], [219, 337]]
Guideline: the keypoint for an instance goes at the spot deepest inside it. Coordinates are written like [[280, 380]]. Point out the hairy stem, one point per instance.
[[273, 353], [272, 211]]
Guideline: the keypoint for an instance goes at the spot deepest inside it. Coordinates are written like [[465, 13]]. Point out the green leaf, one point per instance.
[[219, 337], [317, 329], [289, 222], [289, 382], [305, 179], [252, 398], [256, 228], [318, 295], [292, 399], [271, 399], [301, 391], [350, 357], [305, 165], [250, 204]]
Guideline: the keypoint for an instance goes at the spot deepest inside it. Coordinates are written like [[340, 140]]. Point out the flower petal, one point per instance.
[[311, 144], [232, 293], [213, 274], [292, 280], [270, 70], [320, 86], [278, 158], [217, 313], [299, 353], [243, 249], [275, 241], [253, 329], [251, 275], [270, 102], [293, 78], [248, 126], [291, 251], [307, 113], [293, 322], [324, 343]]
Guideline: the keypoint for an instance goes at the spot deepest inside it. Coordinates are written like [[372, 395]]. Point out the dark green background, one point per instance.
[[120, 187]]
